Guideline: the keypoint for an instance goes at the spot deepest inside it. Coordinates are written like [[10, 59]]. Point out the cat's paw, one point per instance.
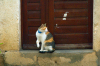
[[41, 51]]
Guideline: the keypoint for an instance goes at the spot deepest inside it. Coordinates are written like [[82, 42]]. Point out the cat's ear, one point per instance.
[[42, 25], [45, 24]]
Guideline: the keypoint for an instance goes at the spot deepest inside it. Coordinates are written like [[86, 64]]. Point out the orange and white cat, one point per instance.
[[46, 38]]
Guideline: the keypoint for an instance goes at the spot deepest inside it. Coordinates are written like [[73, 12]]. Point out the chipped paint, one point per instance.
[[65, 15], [64, 18]]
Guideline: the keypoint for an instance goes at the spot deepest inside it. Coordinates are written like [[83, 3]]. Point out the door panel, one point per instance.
[[71, 13], [70, 4], [34, 22], [77, 21], [73, 28], [33, 6], [71, 38], [69, 21], [33, 17], [34, 14], [32, 30]]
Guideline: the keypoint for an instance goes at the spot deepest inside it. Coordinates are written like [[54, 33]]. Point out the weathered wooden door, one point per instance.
[[70, 22]]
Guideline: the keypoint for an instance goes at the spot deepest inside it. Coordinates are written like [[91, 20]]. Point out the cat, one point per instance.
[[46, 38]]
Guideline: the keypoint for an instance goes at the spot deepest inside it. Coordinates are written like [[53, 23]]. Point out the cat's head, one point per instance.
[[43, 28]]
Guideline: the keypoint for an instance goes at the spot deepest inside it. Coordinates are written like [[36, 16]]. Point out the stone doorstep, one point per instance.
[[34, 58]]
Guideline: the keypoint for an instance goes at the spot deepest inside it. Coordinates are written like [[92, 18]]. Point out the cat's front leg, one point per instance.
[[43, 50], [37, 42], [42, 46]]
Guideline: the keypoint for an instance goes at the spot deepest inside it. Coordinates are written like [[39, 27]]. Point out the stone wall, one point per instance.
[[10, 37]]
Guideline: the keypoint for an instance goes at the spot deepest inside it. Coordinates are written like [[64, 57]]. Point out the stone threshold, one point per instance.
[[58, 58], [61, 51]]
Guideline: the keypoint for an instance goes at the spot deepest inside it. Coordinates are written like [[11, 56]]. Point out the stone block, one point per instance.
[[31, 58]]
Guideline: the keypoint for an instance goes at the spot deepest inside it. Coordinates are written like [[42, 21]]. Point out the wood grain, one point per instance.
[[71, 29], [71, 41], [70, 36], [80, 21], [32, 39], [60, 46], [70, 0], [33, 1], [71, 4], [33, 6], [25, 24], [51, 16], [34, 14], [34, 22], [71, 13], [32, 30], [73, 46]]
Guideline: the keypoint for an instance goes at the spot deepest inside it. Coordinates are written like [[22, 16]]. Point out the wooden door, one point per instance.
[[73, 31]]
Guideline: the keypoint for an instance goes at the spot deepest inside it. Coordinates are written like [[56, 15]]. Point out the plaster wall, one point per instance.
[[96, 25], [10, 37], [9, 21]]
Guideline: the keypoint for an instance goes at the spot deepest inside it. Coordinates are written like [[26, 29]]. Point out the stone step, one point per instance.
[[58, 58]]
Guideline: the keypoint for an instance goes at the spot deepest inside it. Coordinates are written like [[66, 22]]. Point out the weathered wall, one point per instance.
[[96, 23], [10, 34], [9, 21]]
